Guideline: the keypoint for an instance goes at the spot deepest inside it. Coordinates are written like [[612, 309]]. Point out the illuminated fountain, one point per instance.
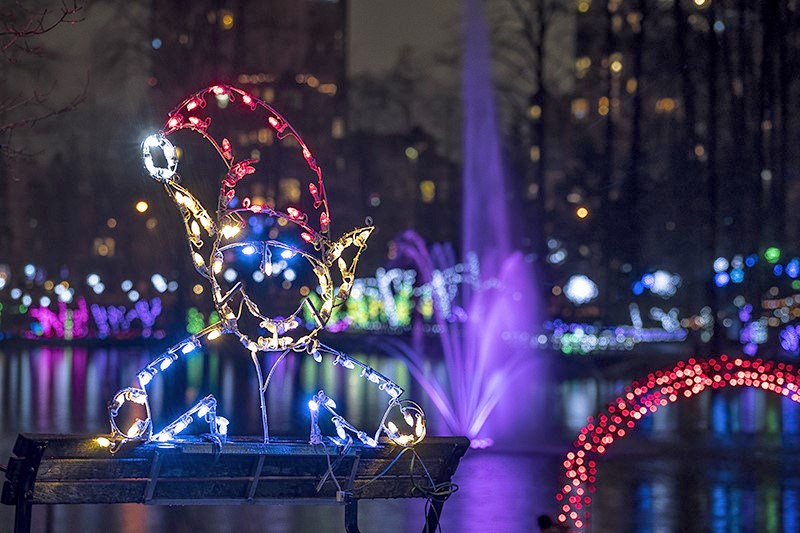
[[483, 363]]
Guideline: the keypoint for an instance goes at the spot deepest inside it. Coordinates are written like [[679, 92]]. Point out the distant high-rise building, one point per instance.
[[289, 53]]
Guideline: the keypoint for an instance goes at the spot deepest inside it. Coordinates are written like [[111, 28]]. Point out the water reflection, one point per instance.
[[722, 461], [66, 389]]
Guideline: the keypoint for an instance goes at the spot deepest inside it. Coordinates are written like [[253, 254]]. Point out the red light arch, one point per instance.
[[658, 389]]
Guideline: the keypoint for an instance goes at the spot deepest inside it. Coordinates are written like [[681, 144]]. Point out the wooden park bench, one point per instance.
[[61, 469]]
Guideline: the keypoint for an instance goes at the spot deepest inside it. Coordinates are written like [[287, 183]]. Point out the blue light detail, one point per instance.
[[777, 270], [793, 268], [721, 279], [638, 288], [790, 340], [751, 260], [648, 280], [188, 347], [737, 275]]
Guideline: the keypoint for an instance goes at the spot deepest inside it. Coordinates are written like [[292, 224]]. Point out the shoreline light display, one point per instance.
[[646, 396], [234, 305]]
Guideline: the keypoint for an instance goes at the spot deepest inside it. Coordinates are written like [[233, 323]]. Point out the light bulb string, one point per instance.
[[144, 428]]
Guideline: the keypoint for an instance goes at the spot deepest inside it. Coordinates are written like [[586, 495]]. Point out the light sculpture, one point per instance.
[[228, 237], [657, 390]]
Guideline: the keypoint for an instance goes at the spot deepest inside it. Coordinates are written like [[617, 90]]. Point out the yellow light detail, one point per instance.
[[141, 206], [602, 106], [197, 289], [616, 66], [427, 190], [230, 231], [290, 190], [580, 108], [583, 6], [328, 88], [337, 128], [535, 112], [582, 212], [227, 20], [666, 105], [104, 442], [264, 136], [111, 223], [214, 334]]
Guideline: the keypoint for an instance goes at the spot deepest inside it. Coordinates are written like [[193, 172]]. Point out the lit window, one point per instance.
[[666, 105], [582, 65], [427, 191], [580, 108], [104, 246], [265, 136], [328, 88], [337, 128], [290, 190], [602, 106], [226, 20]]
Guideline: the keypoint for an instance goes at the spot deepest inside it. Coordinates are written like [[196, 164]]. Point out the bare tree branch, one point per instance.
[[21, 24], [21, 28]]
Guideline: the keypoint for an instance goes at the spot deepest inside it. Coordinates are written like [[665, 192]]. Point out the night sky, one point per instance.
[[380, 28]]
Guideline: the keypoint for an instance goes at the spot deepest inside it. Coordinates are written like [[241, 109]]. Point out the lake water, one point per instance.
[[723, 461]]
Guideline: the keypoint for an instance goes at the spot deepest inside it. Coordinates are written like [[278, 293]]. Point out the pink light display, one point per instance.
[[658, 389], [83, 321], [65, 324]]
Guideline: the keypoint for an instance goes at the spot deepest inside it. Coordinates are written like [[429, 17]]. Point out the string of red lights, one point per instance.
[[658, 389]]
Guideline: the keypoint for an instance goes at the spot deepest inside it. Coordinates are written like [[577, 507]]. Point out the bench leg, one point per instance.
[[23, 515], [351, 516], [434, 512]]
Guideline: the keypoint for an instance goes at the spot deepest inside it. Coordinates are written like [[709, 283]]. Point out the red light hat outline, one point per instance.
[[658, 389]]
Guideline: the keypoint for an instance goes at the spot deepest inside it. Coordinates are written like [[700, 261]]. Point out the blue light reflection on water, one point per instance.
[[66, 389]]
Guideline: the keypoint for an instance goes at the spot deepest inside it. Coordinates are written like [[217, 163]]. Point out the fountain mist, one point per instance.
[[482, 362]]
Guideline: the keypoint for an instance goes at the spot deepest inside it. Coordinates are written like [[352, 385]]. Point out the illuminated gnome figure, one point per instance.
[[235, 307]]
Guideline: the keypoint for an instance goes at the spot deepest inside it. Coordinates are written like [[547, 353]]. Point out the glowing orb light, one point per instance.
[[580, 289]]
